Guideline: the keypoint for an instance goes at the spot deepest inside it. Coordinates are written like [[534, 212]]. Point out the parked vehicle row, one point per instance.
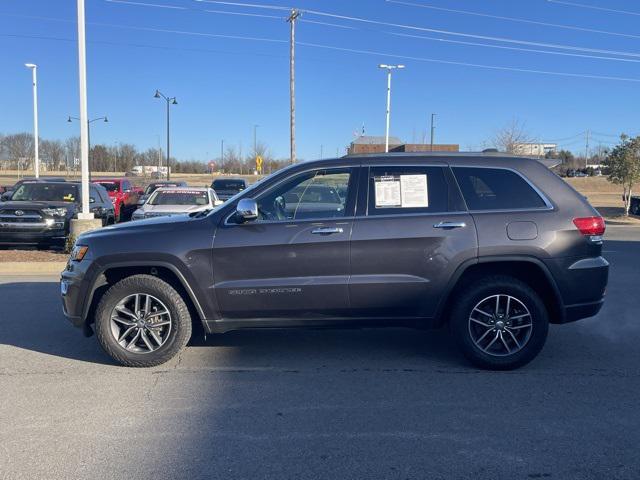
[[39, 212], [113, 200], [495, 247]]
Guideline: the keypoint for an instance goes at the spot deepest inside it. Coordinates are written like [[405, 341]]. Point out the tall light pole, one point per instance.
[[170, 101], [292, 81], [86, 213], [388, 68], [89, 122], [36, 159], [433, 128]]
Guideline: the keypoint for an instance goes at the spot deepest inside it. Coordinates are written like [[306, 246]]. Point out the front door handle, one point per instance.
[[450, 225], [326, 230]]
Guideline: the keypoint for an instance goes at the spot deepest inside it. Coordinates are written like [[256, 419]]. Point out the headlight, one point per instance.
[[78, 253], [55, 212]]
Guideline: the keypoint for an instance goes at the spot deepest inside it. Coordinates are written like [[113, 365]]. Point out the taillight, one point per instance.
[[591, 226]]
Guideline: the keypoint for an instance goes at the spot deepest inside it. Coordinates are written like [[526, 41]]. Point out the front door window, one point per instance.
[[317, 195]]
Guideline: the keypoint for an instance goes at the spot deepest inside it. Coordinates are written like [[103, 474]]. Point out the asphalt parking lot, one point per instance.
[[393, 404]]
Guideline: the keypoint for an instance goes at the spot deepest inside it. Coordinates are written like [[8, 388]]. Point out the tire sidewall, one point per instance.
[[143, 284], [483, 289]]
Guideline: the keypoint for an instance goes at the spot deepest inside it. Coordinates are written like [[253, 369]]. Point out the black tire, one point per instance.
[[489, 287], [177, 338]]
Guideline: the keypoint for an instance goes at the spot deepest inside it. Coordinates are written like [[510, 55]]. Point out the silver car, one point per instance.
[[177, 200]]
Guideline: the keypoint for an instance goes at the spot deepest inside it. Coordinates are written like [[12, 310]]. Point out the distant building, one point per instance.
[[376, 144], [534, 149]]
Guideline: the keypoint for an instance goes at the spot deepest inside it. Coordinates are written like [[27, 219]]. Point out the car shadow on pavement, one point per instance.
[[32, 319]]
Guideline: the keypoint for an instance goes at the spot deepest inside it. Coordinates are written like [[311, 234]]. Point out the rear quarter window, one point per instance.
[[496, 189]]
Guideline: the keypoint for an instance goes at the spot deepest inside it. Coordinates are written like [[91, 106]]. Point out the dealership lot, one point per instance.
[[322, 403]]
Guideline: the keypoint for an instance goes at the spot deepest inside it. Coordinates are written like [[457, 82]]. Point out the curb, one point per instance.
[[31, 268]]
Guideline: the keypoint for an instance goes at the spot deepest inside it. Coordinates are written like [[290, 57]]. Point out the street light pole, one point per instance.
[[36, 159], [292, 82], [388, 68], [89, 122], [170, 101], [433, 116]]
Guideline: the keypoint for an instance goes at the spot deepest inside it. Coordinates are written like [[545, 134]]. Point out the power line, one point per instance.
[[432, 30], [520, 49], [366, 52], [477, 65], [594, 7], [514, 19], [142, 4]]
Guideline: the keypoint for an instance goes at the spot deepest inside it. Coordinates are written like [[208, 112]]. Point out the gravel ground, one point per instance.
[[20, 255]]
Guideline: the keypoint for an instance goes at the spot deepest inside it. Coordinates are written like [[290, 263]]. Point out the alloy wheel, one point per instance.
[[141, 323], [500, 325]]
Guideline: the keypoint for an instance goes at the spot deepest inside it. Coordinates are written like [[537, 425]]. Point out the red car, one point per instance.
[[123, 195]]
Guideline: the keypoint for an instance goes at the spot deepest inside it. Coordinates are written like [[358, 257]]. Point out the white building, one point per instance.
[[534, 149]]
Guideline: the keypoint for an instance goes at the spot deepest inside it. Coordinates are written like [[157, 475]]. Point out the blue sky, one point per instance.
[[226, 85]]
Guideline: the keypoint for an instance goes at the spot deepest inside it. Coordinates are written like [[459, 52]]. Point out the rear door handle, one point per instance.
[[326, 230], [450, 225]]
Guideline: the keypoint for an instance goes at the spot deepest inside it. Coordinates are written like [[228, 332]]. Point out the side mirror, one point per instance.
[[218, 202], [247, 209], [92, 200]]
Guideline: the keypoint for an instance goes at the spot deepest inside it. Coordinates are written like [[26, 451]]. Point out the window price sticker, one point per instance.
[[401, 191]]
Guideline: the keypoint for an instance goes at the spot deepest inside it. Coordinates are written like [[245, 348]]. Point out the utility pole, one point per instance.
[[292, 80], [222, 155], [433, 128], [586, 148], [321, 152], [34, 76]]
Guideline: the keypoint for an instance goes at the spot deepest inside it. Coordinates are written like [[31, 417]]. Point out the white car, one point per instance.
[[176, 201]]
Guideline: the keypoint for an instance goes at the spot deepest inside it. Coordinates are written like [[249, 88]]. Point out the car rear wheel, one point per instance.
[[500, 323], [142, 321]]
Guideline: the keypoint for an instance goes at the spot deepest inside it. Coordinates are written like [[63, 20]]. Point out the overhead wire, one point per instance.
[[513, 19], [594, 7]]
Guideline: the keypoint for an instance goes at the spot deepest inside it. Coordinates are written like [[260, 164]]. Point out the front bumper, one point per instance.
[[75, 290], [31, 233]]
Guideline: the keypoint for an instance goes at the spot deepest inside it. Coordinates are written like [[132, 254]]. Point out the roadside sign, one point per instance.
[[259, 163]]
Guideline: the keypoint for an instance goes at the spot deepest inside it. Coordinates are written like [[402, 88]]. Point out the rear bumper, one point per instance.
[[582, 310], [582, 283]]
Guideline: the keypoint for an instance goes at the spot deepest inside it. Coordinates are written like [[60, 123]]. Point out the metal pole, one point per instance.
[[386, 143], [222, 155], [168, 154], [432, 129], [36, 160], [292, 20], [86, 214]]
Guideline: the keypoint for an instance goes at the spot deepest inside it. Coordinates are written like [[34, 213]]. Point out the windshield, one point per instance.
[[179, 197], [228, 185], [110, 186], [46, 192]]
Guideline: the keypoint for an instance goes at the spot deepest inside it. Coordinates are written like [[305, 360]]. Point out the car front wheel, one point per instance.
[[500, 323], [142, 321]]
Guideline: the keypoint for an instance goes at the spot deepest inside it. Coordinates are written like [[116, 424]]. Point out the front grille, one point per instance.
[[26, 216]]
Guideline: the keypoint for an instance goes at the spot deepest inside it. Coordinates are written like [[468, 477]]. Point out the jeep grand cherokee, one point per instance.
[[495, 247]]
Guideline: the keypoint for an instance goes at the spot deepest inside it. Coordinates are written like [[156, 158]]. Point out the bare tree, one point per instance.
[[509, 138], [19, 149], [52, 154]]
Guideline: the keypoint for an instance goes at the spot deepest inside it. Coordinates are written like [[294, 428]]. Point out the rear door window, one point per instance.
[[496, 189], [408, 189]]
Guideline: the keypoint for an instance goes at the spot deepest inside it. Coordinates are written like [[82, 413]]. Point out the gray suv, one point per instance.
[[495, 247]]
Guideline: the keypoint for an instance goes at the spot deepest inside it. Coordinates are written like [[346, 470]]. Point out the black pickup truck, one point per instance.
[[39, 212]]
